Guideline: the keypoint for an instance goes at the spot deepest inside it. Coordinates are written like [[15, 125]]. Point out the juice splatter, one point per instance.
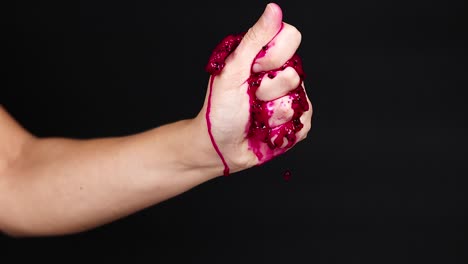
[[259, 131]]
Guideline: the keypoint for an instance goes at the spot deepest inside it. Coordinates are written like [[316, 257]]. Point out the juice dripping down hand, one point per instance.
[[256, 107]]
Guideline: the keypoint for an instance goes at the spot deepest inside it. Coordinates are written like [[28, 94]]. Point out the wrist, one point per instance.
[[200, 153], [235, 153]]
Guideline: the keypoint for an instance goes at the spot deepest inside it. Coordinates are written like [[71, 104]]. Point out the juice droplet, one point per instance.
[[287, 175]]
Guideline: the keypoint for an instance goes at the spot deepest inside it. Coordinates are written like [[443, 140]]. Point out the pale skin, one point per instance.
[[57, 186]]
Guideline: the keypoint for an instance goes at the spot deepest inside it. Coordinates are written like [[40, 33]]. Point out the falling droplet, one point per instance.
[[287, 175]]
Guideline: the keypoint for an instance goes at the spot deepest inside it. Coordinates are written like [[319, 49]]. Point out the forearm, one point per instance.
[[64, 186]]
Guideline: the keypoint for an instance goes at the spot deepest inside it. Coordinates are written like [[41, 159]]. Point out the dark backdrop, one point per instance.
[[380, 179]]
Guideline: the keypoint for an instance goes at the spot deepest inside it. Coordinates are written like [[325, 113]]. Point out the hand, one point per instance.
[[241, 136]]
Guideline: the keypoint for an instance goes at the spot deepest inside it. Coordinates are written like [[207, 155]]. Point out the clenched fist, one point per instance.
[[256, 107]]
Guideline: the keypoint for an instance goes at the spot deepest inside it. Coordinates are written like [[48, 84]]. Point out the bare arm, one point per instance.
[[54, 186]]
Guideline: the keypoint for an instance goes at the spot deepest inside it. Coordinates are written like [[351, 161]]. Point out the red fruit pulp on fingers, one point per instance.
[[259, 131]]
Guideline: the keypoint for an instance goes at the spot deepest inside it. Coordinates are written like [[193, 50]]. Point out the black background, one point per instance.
[[380, 179]]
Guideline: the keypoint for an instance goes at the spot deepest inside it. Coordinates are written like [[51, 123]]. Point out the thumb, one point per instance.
[[266, 28]]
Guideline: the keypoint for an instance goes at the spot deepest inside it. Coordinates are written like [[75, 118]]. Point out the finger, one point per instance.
[[284, 141], [281, 111], [273, 87], [279, 50], [280, 135], [259, 35], [306, 120]]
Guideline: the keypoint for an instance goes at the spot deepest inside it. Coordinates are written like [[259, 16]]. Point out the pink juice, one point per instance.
[[259, 131]]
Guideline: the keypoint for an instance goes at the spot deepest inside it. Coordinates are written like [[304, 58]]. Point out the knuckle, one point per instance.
[[307, 127], [311, 109], [282, 111], [295, 33], [272, 62], [304, 133], [298, 35], [252, 35], [290, 77]]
